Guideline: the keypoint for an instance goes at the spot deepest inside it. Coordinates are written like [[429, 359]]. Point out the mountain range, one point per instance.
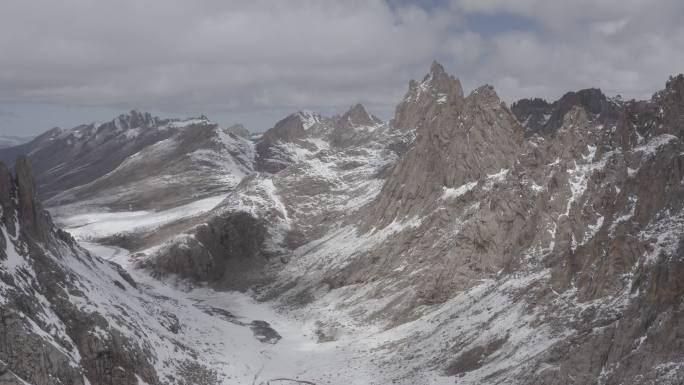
[[463, 241]]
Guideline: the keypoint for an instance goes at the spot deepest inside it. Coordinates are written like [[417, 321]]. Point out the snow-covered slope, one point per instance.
[[136, 162], [461, 242], [510, 258], [70, 316]]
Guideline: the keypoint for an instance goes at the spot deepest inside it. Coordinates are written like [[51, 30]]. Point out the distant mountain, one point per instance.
[[13, 140], [539, 116], [136, 161], [239, 130]]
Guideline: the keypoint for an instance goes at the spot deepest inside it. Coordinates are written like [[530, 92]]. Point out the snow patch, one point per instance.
[[453, 193]]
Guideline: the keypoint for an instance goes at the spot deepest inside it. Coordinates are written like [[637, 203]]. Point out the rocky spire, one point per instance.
[[459, 140], [671, 103], [437, 91], [7, 209], [35, 221], [357, 116]]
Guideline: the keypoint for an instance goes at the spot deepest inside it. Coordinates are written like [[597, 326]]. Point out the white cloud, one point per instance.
[[237, 54], [621, 46], [242, 56]]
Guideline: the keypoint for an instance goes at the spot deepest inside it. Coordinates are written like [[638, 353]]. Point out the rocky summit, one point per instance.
[[460, 242]]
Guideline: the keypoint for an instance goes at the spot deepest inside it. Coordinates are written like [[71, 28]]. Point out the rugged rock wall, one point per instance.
[[45, 337], [458, 140], [540, 117], [227, 250]]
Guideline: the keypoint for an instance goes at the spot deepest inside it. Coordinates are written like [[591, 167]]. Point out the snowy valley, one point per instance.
[[461, 242]]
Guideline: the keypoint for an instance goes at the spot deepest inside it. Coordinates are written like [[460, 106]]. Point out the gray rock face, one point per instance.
[[43, 333], [436, 92], [458, 140], [270, 156], [352, 127], [227, 250], [239, 130]]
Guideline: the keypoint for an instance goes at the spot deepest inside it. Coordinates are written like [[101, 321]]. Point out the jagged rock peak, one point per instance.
[[670, 105], [5, 185], [134, 119], [291, 128], [34, 220], [308, 118], [674, 89], [440, 83], [239, 130], [675, 83], [458, 141], [437, 91], [539, 116], [358, 116], [485, 95]]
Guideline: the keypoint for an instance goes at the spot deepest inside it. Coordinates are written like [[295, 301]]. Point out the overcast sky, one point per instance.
[[71, 61]]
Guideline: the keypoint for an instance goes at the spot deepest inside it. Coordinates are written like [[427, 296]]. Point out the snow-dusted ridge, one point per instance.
[[450, 245]]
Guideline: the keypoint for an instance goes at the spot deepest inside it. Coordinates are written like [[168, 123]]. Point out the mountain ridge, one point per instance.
[[462, 240]]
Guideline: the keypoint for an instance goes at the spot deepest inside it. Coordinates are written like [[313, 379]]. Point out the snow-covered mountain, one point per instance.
[[136, 162], [461, 242]]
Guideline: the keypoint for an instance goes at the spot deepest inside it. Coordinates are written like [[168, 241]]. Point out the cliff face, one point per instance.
[[458, 140], [45, 336]]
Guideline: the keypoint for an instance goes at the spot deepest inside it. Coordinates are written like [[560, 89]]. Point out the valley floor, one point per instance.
[[241, 340]]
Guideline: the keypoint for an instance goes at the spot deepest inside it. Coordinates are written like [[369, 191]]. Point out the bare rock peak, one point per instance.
[[436, 91], [675, 83], [358, 116], [485, 94], [239, 130], [441, 82], [437, 68], [5, 185], [29, 210], [137, 116], [357, 109], [539, 116]]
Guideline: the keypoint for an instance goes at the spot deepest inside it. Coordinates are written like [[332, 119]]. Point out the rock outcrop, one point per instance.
[[45, 337], [239, 130], [228, 251], [458, 140], [540, 117]]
